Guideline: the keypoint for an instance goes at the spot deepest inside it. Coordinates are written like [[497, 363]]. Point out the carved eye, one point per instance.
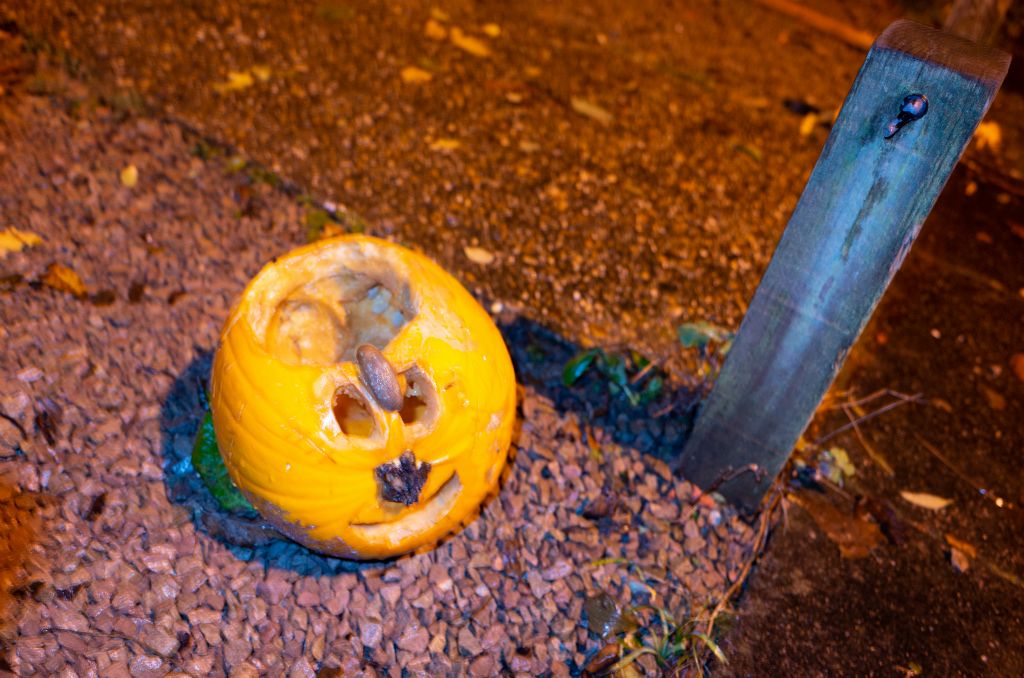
[[353, 415], [420, 403]]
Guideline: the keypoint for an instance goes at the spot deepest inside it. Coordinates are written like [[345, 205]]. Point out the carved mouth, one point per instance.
[[417, 521]]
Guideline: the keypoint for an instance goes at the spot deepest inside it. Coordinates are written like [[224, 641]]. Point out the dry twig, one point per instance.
[[826, 24], [759, 543], [901, 399]]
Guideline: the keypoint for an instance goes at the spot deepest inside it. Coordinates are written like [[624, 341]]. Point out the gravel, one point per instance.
[[125, 576]]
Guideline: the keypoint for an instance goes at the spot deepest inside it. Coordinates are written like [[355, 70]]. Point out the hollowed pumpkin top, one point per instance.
[[362, 400]]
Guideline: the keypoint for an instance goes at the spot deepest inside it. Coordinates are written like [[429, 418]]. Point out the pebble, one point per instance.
[[236, 652], [468, 643], [146, 665], [391, 594], [370, 633], [308, 599], [301, 668], [30, 374], [71, 620], [244, 670], [559, 570], [483, 665], [414, 639], [163, 641], [275, 587]]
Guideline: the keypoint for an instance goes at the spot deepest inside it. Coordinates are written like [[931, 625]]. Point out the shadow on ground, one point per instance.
[[539, 356]]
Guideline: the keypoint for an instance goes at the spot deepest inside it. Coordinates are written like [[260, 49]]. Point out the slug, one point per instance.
[[379, 376]]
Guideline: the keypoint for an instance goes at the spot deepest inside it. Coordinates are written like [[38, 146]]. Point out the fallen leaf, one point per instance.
[[439, 14], [964, 546], [237, 80], [807, 125], [604, 658], [13, 240], [445, 144], [591, 110], [835, 464], [468, 43], [529, 146], [961, 561], [491, 30], [103, 298], [885, 514], [910, 670], [130, 176], [699, 334], [262, 73], [994, 399], [1017, 229], [411, 74], [332, 229], [1005, 575], [479, 255], [605, 618], [63, 279], [579, 363], [855, 536], [1017, 364], [925, 500], [989, 135], [434, 30], [753, 151]]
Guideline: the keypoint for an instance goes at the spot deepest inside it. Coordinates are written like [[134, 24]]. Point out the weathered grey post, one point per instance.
[[911, 111]]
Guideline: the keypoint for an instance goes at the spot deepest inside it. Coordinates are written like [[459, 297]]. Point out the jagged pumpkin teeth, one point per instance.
[[385, 398]]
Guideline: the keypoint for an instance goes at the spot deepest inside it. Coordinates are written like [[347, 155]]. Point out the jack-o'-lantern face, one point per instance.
[[362, 400]]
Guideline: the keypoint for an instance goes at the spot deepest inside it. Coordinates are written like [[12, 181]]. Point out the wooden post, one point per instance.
[[875, 182]]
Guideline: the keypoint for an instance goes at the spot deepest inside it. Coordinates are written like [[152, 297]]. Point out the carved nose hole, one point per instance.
[[352, 414], [413, 409], [420, 404]]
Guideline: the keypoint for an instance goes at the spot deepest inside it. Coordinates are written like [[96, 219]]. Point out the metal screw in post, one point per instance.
[[914, 107]]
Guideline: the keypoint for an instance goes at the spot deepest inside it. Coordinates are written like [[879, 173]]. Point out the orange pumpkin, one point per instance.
[[363, 401]]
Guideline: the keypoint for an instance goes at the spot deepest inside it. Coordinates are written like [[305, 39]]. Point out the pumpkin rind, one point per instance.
[[286, 363]]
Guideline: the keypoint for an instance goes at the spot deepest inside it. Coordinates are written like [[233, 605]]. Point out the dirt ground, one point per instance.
[[628, 168]]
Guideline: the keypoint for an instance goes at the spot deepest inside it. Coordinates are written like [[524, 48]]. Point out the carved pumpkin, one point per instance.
[[362, 399]]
